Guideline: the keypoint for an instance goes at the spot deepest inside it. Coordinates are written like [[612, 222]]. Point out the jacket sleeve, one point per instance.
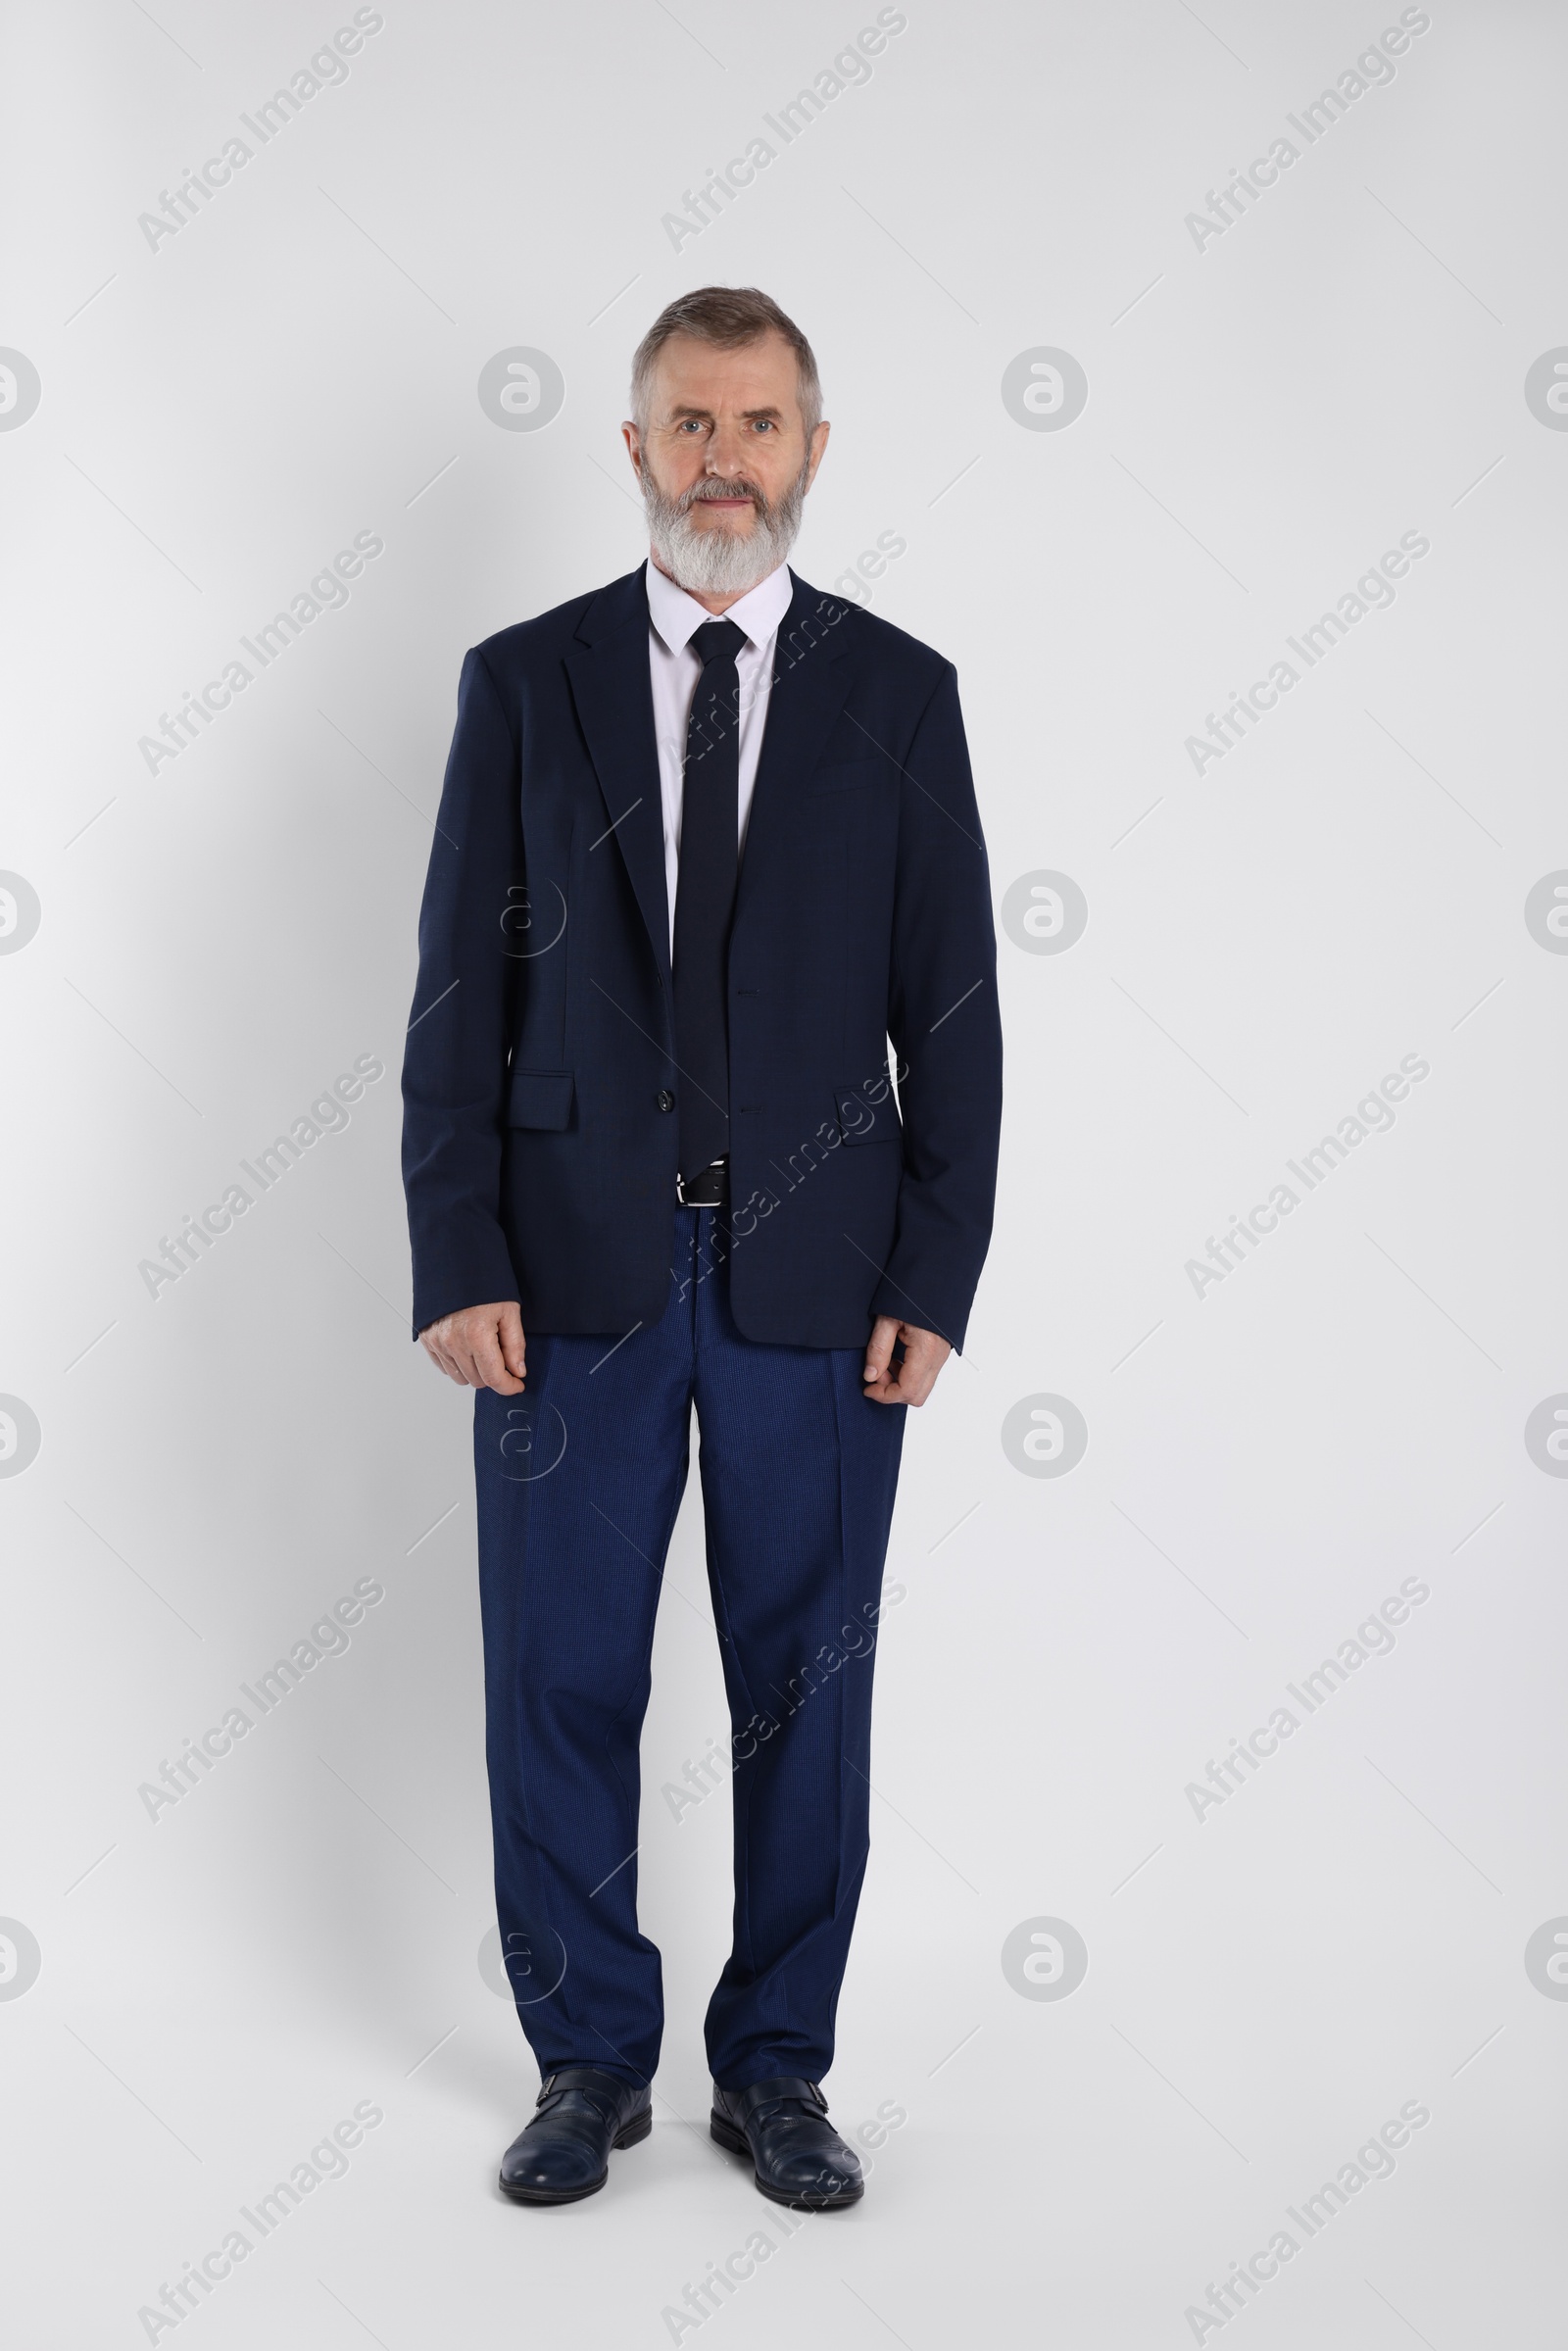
[[944, 1026], [460, 1028]]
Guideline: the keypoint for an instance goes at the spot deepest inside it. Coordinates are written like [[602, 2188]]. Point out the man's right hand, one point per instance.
[[480, 1348]]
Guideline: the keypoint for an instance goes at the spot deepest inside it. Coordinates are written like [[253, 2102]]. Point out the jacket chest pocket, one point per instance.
[[847, 775]]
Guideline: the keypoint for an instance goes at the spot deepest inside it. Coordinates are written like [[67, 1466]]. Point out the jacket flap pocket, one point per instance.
[[864, 1121], [540, 1097]]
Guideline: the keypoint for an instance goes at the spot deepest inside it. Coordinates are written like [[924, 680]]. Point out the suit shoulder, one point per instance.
[[877, 641], [886, 642], [550, 634]]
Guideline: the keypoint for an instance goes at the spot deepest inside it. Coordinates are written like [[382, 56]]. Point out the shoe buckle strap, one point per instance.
[[769, 2101], [593, 2100]]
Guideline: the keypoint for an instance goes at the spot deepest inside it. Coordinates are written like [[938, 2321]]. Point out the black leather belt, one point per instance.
[[709, 1189]]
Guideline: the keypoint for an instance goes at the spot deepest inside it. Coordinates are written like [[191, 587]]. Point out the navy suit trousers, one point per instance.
[[579, 1479]]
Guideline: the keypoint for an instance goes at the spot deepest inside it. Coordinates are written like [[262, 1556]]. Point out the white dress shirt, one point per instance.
[[673, 616]]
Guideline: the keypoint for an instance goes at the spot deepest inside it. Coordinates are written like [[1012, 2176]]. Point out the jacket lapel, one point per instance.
[[811, 682], [613, 691]]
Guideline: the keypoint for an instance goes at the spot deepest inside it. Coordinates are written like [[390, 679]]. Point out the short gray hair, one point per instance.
[[728, 317]]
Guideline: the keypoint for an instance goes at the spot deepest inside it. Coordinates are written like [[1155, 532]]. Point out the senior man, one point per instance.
[[708, 844]]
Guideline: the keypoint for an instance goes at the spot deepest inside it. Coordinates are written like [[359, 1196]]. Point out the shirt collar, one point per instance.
[[676, 616]]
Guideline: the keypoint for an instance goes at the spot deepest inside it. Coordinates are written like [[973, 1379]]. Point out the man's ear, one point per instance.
[[819, 435], [634, 446]]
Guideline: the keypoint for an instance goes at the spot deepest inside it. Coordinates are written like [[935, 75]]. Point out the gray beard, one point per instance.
[[720, 562]]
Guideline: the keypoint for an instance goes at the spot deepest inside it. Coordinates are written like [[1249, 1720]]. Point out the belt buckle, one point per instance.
[[714, 1177]]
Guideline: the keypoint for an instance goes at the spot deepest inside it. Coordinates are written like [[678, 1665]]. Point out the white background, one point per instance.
[[218, 941]]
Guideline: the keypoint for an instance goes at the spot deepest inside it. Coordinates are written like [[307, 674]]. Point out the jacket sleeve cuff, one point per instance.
[[935, 1309], [478, 1272]]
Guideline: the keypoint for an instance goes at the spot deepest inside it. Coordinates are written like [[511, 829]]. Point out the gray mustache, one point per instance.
[[702, 494]]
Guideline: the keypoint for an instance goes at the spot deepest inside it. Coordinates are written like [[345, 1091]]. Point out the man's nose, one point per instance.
[[726, 454]]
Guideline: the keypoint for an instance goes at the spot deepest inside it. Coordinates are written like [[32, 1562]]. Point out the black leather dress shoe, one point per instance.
[[564, 2151], [798, 2156]]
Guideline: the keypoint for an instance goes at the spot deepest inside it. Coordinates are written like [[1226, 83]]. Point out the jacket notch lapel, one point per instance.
[[613, 692], [809, 687]]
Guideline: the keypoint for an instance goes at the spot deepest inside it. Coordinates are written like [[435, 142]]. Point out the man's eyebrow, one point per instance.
[[687, 407]]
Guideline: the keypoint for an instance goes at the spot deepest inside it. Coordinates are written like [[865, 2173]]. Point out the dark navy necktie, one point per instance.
[[705, 896]]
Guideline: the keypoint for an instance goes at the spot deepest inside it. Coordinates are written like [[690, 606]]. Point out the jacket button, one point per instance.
[[667, 1101]]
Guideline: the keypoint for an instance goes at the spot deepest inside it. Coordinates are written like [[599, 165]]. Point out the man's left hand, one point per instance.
[[912, 1381]]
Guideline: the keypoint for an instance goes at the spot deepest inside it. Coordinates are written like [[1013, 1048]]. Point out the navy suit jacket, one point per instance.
[[539, 1149]]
